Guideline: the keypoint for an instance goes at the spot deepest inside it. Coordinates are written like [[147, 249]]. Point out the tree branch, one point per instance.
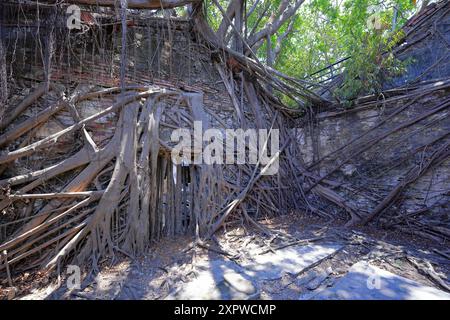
[[287, 11], [231, 11]]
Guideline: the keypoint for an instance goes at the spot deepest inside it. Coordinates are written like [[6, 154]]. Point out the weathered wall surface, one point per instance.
[[369, 151], [426, 46], [161, 55]]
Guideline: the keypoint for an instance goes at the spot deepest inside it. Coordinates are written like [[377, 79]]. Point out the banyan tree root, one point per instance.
[[73, 213], [123, 195]]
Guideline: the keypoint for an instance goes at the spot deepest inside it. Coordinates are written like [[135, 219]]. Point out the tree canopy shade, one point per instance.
[[312, 40], [301, 37], [335, 32]]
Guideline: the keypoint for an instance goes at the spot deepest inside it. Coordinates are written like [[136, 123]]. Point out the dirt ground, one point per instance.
[[170, 263]]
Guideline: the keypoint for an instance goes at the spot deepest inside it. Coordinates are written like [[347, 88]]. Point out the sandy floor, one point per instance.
[[169, 264]]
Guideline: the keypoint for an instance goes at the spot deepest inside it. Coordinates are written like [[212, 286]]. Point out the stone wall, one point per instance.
[[331, 140], [366, 178]]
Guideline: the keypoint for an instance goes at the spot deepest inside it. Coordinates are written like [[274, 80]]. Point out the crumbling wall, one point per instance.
[[378, 155], [120, 158], [426, 47], [391, 149]]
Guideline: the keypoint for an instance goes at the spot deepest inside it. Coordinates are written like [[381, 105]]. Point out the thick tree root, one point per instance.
[[127, 193]]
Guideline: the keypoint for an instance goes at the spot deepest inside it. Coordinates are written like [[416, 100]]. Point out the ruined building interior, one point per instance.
[[87, 177]]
